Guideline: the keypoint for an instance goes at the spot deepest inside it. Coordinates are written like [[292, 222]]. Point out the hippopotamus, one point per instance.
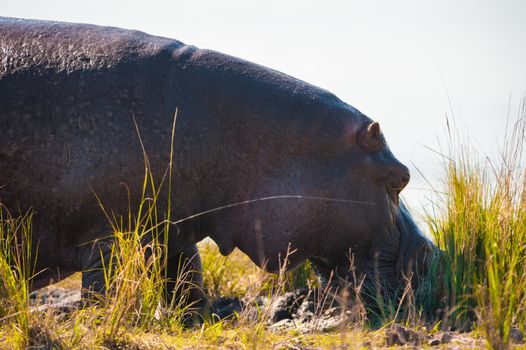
[[260, 160]]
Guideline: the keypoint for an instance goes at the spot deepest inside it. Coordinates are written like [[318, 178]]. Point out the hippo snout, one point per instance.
[[400, 175], [397, 179]]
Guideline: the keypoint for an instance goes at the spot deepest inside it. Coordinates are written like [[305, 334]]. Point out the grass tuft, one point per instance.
[[481, 229], [15, 276]]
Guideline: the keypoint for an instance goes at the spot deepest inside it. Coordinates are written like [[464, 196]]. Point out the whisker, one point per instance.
[[262, 199]]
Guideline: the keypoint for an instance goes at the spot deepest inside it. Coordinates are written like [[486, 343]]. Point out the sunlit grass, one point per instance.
[[235, 274], [482, 231], [135, 272], [15, 276]]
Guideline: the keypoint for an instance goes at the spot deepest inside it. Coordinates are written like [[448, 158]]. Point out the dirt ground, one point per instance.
[[296, 312]]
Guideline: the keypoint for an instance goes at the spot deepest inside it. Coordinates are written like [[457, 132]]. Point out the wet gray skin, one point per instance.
[[406, 262], [72, 97]]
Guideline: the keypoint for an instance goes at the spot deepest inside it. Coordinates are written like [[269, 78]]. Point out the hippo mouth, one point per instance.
[[394, 193]]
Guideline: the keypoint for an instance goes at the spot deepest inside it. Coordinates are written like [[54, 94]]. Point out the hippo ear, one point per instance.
[[372, 138], [373, 131]]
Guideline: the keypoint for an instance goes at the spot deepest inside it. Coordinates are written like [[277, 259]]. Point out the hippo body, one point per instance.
[[76, 101]]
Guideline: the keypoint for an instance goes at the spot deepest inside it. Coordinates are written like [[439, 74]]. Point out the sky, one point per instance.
[[407, 64]]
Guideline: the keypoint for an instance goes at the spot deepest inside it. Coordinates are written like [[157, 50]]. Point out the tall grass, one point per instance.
[[482, 231], [135, 272], [16, 270]]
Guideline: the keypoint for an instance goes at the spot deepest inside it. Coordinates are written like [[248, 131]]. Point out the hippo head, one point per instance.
[[394, 249], [344, 187]]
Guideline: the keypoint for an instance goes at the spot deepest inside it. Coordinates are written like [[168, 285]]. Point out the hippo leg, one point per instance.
[[185, 283], [93, 284]]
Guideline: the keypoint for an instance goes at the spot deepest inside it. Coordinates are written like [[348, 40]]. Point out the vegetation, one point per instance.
[[477, 283], [481, 228], [15, 275]]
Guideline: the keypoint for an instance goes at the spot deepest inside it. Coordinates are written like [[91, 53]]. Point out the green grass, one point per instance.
[[15, 276], [135, 273], [481, 227]]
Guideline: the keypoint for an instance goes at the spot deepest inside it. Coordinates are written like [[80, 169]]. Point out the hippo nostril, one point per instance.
[[404, 180], [399, 178]]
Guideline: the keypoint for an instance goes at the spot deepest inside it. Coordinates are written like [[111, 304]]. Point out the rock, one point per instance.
[[283, 325], [332, 311], [396, 335], [400, 335], [446, 338], [443, 338], [62, 299], [287, 306], [226, 307], [517, 336], [367, 344], [434, 342], [252, 308], [328, 324], [305, 312]]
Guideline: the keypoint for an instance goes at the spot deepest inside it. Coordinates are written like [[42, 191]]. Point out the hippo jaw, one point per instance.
[[405, 262], [415, 249]]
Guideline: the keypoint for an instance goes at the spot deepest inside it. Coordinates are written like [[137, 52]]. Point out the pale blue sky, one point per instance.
[[393, 60]]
